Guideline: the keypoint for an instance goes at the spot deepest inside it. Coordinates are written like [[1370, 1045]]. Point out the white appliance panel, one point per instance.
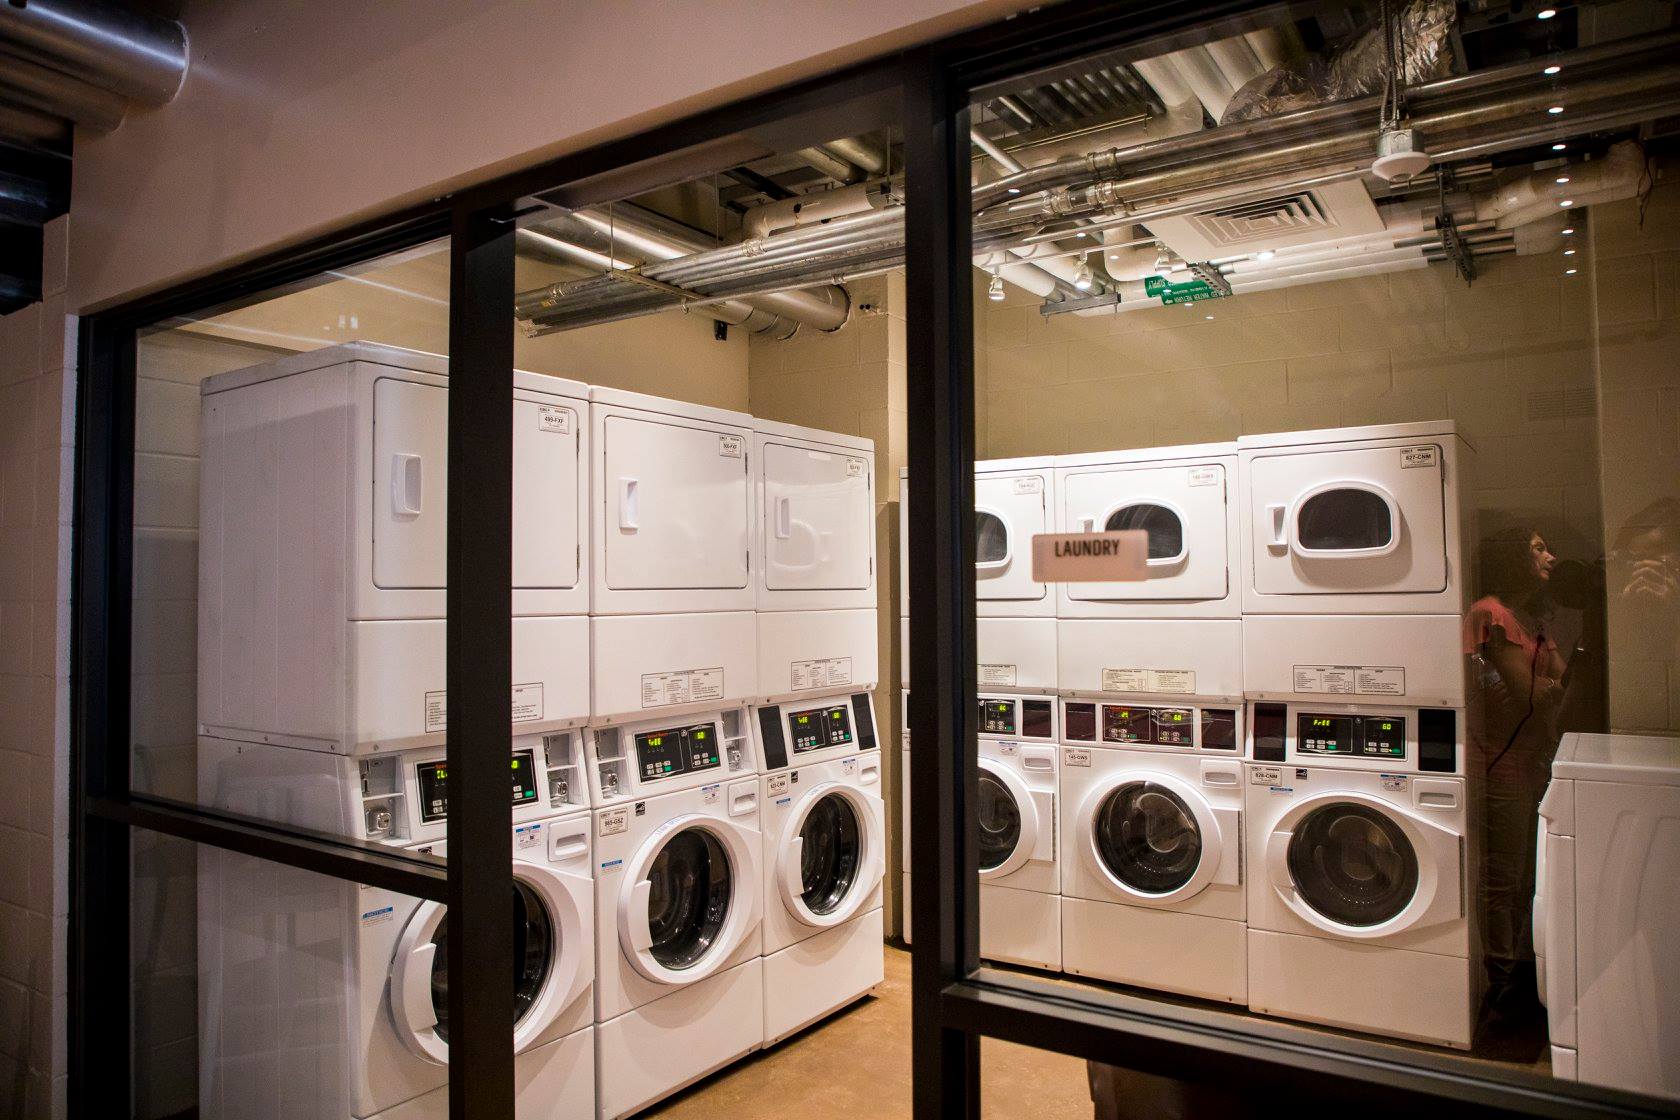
[[1009, 510], [818, 518], [1183, 509], [677, 506]]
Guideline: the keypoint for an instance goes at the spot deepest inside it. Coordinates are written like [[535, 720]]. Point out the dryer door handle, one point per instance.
[[1279, 523]]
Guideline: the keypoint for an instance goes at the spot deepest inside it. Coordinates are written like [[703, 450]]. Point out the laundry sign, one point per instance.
[[1116, 557]]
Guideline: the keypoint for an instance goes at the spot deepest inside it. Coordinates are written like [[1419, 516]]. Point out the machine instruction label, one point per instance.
[[527, 706], [1393, 783], [1351, 680], [821, 672], [552, 419], [854, 468], [1076, 756], [997, 675], [527, 836], [612, 821], [730, 446], [1030, 485], [1149, 680], [374, 917], [689, 686], [1265, 775], [1429, 456], [1205, 476]]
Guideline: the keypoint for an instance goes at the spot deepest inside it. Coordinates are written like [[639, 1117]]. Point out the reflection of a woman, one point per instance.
[[1517, 691]]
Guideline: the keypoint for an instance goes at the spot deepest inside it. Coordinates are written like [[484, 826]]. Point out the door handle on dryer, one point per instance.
[[629, 504], [406, 490], [784, 518], [1279, 537]]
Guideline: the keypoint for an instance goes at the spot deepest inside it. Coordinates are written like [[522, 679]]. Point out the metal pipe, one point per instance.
[[840, 170], [57, 93], [856, 152], [116, 48]]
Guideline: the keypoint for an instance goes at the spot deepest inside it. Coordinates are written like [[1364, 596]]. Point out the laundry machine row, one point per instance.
[[685, 579]]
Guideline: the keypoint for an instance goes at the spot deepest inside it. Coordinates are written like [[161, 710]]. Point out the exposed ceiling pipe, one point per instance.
[[54, 92], [817, 207], [1538, 193], [139, 56], [1204, 77], [1269, 47], [840, 170], [31, 129], [860, 154], [1236, 60]]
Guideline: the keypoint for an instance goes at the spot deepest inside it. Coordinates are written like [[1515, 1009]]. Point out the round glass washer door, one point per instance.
[[548, 964], [1152, 837], [1009, 821], [689, 897], [1353, 864], [832, 854]]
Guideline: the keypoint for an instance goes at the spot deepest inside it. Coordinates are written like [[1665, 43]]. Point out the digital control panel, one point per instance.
[[1030, 719], [433, 780], [821, 727], [997, 717], [1168, 727], [1351, 736], [677, 750]]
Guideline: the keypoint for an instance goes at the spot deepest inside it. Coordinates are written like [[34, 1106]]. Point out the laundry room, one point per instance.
[[1353, 333]]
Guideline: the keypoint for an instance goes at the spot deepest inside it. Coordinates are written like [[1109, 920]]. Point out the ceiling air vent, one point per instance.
[[1323, 214]]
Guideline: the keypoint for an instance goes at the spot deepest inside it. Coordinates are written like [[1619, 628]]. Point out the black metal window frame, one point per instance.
[[956, 1001]]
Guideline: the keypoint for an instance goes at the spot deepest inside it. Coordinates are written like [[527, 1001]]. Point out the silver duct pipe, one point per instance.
[[58, 94], [1479, 113], [862, 155], [836, 168], [30, 128], [138, 56]]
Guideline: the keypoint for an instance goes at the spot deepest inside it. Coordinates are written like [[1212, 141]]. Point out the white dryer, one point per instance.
[[825, 845], [1151, 848], [1606, 914], [323, 511], [678, 906], [1361, 889], [322, 998], [1020, 873], [816, 592], [672, 619], [1343, 524]]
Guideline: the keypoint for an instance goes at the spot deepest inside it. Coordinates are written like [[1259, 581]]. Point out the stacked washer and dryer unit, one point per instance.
[[1020, 872], [1362, 835], [641, 857], [322, 705]]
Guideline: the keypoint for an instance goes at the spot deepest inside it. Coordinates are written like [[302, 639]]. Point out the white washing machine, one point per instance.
[[672, 620], [1151, 847], [1343, 524], [323, 998], [679, 898], [1020, 873], [825, 852], [1361, 852], [816, 593], [323, 510], [1606, 914]]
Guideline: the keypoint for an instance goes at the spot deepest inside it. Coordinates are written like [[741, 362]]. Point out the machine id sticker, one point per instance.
[[1149, 680], [820, 673], [1076, 756], [1351, 680], [556, 420], [1009, 750], [848, 766], [1204, 476], [1393, 783], [527, 706], [383, 914], [687, 687], [778, 784], [612, 821], [1030, 485], [997, 675], [709, 794], [1429, 456], [854, 468], [1265, 775], [527, 836], [729, 446]]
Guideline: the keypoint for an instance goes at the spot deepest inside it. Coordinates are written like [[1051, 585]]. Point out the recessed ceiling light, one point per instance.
[[1554, 111], [1079, 235], [1559, 146], [1546, 13], [1265, 255], [1567, 230], [1561, 179], [1566, 203], [1017, 190], [1569, 252], [1569, 272], [1552, 69], [1207, 316]]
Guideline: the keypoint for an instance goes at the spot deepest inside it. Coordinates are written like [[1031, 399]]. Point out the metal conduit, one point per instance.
[[1620, 84], [140, 57]]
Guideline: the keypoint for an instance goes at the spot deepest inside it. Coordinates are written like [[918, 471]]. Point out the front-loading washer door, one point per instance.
[[1355, 865], [690, 896], [832, 855], [1013, 820], [1153, 837], [549, 970]]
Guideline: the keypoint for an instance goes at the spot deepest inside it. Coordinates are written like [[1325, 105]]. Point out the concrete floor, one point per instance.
[[856, 1066]]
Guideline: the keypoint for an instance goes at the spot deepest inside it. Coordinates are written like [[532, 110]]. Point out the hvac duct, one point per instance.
[[135, 55], [1538, 193], [58, 94]]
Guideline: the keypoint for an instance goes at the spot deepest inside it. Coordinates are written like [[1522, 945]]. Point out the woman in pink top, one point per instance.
[[1517, 688]]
